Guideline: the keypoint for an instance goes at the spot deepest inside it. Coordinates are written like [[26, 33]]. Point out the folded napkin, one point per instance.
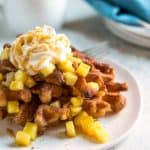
[[126, 11]]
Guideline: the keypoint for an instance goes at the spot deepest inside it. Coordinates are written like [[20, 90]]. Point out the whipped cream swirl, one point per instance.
[[38, 48]]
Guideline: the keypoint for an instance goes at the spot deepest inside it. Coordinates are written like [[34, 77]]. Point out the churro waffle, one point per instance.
[[75, 90]]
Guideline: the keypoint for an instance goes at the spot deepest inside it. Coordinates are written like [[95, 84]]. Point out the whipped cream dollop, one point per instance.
[[38, 48]]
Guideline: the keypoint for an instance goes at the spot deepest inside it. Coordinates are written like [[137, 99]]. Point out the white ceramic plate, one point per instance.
[[118, 125], [137, 35]]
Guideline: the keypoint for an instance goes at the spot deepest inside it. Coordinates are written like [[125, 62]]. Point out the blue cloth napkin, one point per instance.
[[126, 11]]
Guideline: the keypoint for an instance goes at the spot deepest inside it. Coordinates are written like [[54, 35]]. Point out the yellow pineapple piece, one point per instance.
[[102, 136], [78, 118], [31, 129], [66, 66], [97, 125], [1, 77], [30, 82], [99, 133], [5, 53], [75, 59], [70, 78], [70, 129], [85, 123], [16, 85], [48, 70], [13, 107], [91, 128], [55, 104], [93, 85], [76, 101], [75, 110], [20, 76], [22, 138], [83, 69]]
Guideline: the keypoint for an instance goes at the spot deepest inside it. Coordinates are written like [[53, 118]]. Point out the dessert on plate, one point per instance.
[[44, 81]]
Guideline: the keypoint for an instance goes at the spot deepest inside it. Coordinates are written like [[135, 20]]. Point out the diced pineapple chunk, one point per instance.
[[91, 128], [13, 107], [66, 66], [70, 78], [48, 70], [93, 85], [79, 118], [21, 76], [102, 136], [99, 133], [22, 138], [1, 76], [85, 123], [75, 59], [75, 110], [5, 53], [70, 129], [16, 85], [55, 104], [30, 82], [83, 69], [97, 125], [76, 101], [31, 129]]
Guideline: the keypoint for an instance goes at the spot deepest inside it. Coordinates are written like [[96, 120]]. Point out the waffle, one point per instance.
[[47, 101], [110, 99]]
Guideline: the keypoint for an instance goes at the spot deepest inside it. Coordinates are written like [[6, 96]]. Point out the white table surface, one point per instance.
[[87, 33]]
